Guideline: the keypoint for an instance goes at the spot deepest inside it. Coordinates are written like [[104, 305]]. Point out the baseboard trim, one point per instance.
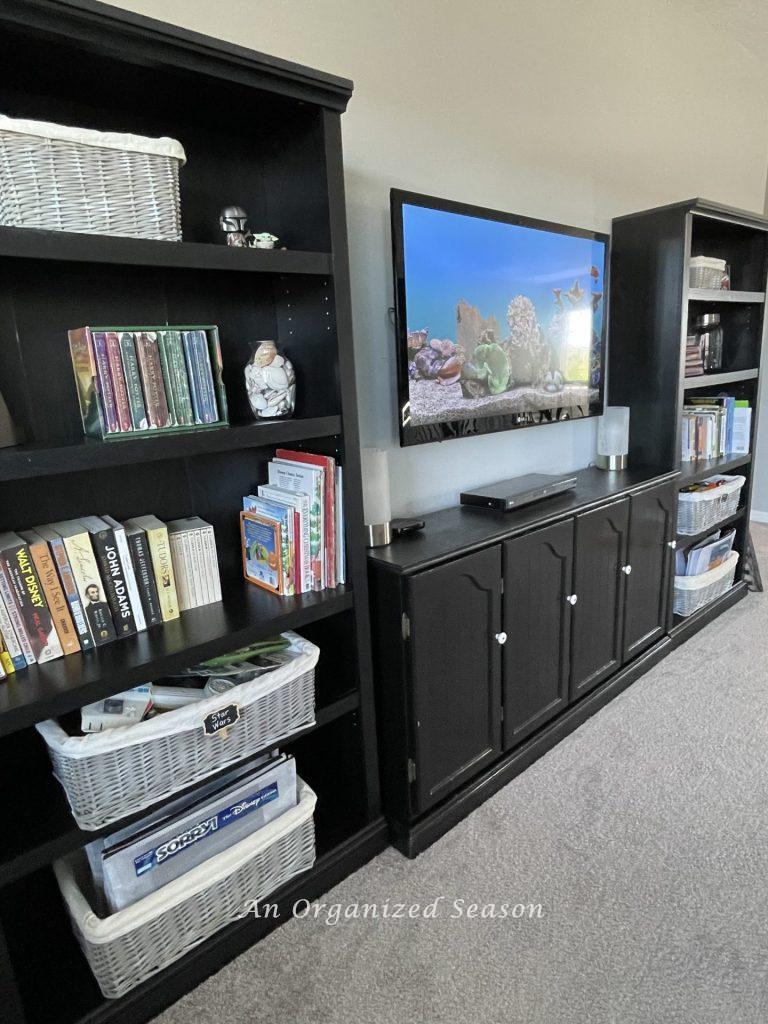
[[413, 838], [147, 1000]]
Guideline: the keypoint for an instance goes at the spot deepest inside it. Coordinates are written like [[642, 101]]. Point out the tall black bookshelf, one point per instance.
[[265, 134], [653, 310]]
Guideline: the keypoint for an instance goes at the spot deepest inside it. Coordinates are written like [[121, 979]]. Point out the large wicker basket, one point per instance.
[[129, 946], [104, 183], [700, 510], [110, 775], [692, 593]]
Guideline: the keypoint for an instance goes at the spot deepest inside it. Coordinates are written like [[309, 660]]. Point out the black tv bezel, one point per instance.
[[475, 425]]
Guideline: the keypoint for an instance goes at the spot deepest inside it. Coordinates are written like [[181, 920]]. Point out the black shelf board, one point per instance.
[[723, 295], [31, 460], [685, 540], [692, 472], [40, 839], [708, 380], [34, 243], [246, 614]]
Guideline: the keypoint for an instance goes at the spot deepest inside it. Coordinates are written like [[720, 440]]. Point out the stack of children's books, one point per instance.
[[292, 529], [134, 381]]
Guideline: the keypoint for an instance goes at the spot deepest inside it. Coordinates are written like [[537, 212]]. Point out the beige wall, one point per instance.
[[571, 110]]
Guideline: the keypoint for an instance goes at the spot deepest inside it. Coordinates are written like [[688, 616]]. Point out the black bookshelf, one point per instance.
[[653, 310], [264, 133]]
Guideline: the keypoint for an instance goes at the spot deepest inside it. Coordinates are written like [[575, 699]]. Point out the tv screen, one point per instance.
[[500, 319]]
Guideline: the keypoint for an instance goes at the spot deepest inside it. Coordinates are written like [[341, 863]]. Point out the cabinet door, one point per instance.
[[537, 620], [651, 528], [455, 664], [600, 550]]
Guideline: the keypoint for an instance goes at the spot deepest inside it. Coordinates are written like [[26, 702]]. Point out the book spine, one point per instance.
[[207, 391], [176, 544], [145, 578], [113, 577], [118, 381], [133, 382], [152, 379], [130, 578], [163, 568], [54, 595], [6, 663], [214, 351], [15, 616], [85, 570], [203, 581], [168, 380], [212, 562], [10, 639], [104, 378], [69, 587], [190, 356], [185, 414], [87, 382], [195, 569], [30, 600]]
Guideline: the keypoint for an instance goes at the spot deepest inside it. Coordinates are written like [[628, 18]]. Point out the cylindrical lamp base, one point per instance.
[[377, 535], [611, 462]]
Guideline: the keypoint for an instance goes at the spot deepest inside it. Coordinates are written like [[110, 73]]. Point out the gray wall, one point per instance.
[[569, 110]]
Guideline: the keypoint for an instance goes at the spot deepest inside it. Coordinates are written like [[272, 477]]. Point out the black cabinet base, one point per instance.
[[413, 838]]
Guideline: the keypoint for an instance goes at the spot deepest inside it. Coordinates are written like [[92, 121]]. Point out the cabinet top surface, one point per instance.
[[458, 530], [101, 27]]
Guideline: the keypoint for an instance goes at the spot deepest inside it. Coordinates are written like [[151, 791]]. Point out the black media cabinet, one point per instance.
[[497, 634]]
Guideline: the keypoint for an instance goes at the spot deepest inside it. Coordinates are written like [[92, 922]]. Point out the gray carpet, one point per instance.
[[644, 836]]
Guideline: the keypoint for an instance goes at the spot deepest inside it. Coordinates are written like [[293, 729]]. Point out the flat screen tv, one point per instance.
[[500, 319]]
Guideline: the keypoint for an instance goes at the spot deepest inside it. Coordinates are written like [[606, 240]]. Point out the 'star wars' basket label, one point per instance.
[[202, 830], [220, 719]]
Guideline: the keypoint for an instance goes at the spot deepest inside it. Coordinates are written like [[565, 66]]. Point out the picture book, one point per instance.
[[328, 465], [262, 551], [309, 480], [284, 514]]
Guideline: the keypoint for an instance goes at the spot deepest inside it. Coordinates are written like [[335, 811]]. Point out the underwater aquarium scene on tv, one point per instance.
[[500, 319]]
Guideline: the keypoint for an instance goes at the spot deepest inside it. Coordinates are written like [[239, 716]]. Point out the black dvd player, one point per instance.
[[509, 494]]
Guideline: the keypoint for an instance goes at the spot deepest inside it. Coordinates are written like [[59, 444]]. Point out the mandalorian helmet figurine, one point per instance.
[[234, 220]]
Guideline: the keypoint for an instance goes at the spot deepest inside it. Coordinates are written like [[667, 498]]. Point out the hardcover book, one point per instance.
[[58, 605], [118, 380], [151, 371], [104, 381], [98, 419], [130, 575], [162, 563], [262, 551], [328, 466], [90, 587], [6, 594], [132, 376], [10, 640], [56, 543], [309, 480], [141, 557], [26, 590], [175, 377], [283, 514], [112, 574]]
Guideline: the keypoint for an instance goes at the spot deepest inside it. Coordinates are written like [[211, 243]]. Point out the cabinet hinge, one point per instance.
[[405, 625], [411, 770]]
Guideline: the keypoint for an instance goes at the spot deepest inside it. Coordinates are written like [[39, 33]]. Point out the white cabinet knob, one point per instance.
[[626, 569], [501, 638], [572, 598], [672, 544]]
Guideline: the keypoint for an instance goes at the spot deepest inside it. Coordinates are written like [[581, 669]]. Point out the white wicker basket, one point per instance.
[[693, 592], [701, 510], [112, 774], [131, 945], [74, 179]]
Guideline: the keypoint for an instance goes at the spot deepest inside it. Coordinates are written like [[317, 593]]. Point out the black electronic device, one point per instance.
[[522, 490]]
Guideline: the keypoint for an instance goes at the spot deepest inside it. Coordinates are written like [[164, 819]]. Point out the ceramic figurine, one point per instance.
[[234, 220], [262, 241], [270, 382]]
